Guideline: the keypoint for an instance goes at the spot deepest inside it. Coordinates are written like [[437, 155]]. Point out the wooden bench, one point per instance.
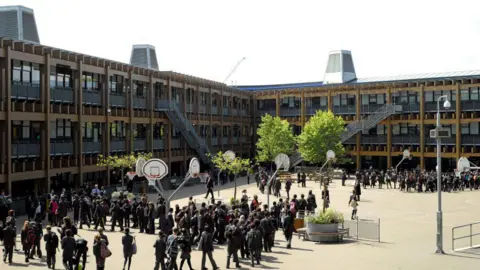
[[340, 234]]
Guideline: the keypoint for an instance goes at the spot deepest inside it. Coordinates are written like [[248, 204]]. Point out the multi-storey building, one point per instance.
[[59, 110], [384, 115]]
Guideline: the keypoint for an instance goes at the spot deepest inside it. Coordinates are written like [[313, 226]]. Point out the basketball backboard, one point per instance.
[[406, 153], [194, 167], [229, 155], [154, 169], [139, 166], [282, 161], [330, 155], [463, 164]]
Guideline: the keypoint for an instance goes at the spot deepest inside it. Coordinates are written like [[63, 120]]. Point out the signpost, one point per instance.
[[282, 161]]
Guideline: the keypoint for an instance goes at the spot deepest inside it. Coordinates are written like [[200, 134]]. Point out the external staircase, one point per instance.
[[186, 128], [353, 128]]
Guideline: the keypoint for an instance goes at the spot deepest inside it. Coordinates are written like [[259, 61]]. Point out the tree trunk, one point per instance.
[[235, 187]]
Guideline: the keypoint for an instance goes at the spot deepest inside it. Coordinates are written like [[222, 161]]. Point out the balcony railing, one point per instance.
[[449, 141], [214, 141], [90, 147], [26, 148], [262, 112], [225, 140], [139, 144], [367, 109], [410, 107], [471, 105], [139, 103], [226, 111], [117, 100], [234, 112], [62, 95], [202, 109], [176, 143], [158, 144], [406, 139], [117, 145], [189, 107], [61, 148], [25, 91], [347, 109], [235, 139], [432, 107], [290, 112], [314, 109], [244, 139], [470, 140], [214, 110], [91, 97]]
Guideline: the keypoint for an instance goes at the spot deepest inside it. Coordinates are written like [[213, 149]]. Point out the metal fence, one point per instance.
[[360, 228], [464, 236]]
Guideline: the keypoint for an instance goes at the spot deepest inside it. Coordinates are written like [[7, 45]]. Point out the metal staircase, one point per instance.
[[353, 128], [187, 130]]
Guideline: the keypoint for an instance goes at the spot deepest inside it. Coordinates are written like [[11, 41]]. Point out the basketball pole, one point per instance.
[[267, 186]]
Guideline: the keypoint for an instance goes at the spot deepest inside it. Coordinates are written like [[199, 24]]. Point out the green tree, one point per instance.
[[122, 162], [235, 166], [320, 134], [275, 137]]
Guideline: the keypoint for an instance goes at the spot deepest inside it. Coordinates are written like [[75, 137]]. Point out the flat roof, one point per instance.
[[400, 78]]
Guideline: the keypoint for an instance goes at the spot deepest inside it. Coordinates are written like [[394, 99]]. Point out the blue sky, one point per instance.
[[283, 41]]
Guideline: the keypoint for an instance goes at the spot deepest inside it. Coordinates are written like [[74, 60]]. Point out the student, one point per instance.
[[354, 204], [9, 236], [51, 246], [127, 242]]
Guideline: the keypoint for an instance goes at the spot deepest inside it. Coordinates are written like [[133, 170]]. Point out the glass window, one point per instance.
[[35, 74], [373, 99], [68, 128], [323, 101], [454, 129], [364, 99], [454, 95], [336, 101], [436, 95], [381, 99], [26, 72], [474, 93], [412, 97], [17, 71], [404, 129], [26, 130], [53, 129], [429, 96], [60, 128], [448, 93], [474, 128], [396, 129], [464, 95], [343, 101], [465, 129], [380, 129]]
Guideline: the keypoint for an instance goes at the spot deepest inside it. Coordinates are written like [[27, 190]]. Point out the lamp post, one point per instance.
[[446, 104]]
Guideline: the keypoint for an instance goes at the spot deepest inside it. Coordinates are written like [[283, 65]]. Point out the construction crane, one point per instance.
[[234, 69]]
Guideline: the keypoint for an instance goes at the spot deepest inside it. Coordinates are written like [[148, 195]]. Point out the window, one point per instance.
[[372, 99], [429, 96], [365, 100], [116, 84], [308, 102], [404, 129], [465, 129], [454, 129], [464, 95], [225, 102], [139, 89], [413, 129], [381, 129], [474, 128], [395, 129], [474, 93], [158, 131], [381, 99], [214, 100], [336, 101], [25, 72], [343, 100], [90, 81], [324, 101], [413, 97], [117, 130]]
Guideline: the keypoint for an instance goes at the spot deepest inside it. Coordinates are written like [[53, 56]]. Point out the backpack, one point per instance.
[[31, 237], [53, 240]]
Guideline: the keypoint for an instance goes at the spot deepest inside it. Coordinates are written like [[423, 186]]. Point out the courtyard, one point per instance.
[[408, 233]]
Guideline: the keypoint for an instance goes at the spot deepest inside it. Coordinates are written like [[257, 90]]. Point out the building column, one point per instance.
[[131, 113], [389, 130], [168, 130], [150, 106], [45, 92], [79, 87], [277, 104], [106, 125], [458, 114], [422, 126], [8, 119], [302, 109], [330, 100], [358, 118], [220, 140]]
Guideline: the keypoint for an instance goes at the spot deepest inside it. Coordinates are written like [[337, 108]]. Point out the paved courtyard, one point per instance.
[[408, 231]]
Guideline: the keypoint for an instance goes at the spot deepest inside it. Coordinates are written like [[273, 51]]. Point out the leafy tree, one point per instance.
[[235, 166], [122, 162], [275, 137], [320, 134]]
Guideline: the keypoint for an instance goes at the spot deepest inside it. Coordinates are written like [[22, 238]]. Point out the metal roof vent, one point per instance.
[[340, 68], [18, 22], [144, 56]]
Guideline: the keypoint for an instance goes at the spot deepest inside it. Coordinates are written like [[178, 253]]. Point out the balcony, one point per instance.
[[367, 109], [472, 140], [25, 148], [89, 147], [289, 112], [139, 103], [139, 144], [445, 141], [214, 110], [471, 105], [406, 139], [189, 107], [432, 107], [117, 100], [313, 110], [62, 95], [214, 141], [175, 143], [61, 148], [410, 108], [224, 140], [352, 140], [117, 145], [25, 91], [91, 98], [262, 112], [347, 109], [158, 144], [370, 139]]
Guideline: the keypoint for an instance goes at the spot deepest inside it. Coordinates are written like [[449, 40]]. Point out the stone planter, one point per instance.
[[322, 228]]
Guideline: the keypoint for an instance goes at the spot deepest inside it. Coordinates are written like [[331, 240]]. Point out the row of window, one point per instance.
[[25, 72], [414, 129]]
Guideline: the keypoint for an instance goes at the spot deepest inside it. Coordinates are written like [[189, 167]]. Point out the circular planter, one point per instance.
[[322, 228]]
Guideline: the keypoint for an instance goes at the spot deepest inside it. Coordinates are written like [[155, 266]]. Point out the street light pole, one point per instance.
[[439, 179]]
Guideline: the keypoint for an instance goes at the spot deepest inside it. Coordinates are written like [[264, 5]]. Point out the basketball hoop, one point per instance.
[[131, 175], [153, 170]]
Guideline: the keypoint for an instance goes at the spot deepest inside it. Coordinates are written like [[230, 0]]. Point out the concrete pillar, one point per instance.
[[422, 126]]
